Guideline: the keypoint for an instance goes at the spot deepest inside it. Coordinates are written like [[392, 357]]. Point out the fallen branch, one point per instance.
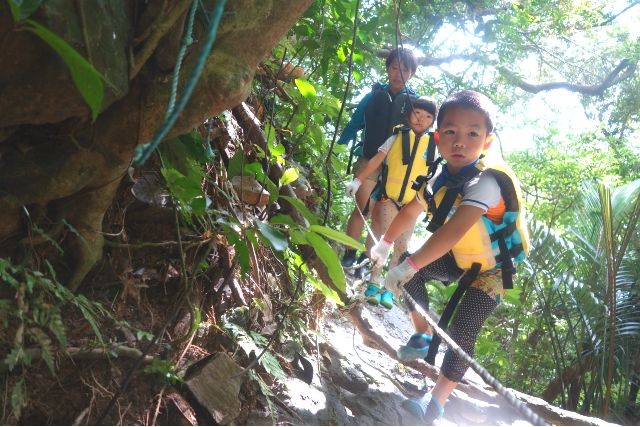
[[77, 353]]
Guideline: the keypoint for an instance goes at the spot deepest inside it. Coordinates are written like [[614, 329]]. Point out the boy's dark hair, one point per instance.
[[425, 103], [472, 100], [405, 56]]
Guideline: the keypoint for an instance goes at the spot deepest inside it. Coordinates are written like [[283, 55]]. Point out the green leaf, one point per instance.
[[300, 206], [306, 89], [22, 9], [278, 150], [289, 176], [18, 398], [87, 79], [329, 258], [276, 238], [242, 251], [279, 219], [272, 366], [331, 294], [338, 236], [512, 296]]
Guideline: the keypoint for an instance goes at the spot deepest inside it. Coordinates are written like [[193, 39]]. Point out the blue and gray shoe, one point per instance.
[[373, 294], [427, 409], [416, 348], [386, 299]]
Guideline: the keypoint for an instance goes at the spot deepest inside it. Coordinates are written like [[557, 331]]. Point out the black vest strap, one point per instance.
[[463, 284], [454, 187], [406, 147], [431, 153]]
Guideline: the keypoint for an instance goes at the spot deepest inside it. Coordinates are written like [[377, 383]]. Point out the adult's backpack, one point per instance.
[[383, 113]]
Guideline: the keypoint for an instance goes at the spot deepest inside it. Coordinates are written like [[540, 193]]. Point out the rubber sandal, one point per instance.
[[373, 294], [386, 299]]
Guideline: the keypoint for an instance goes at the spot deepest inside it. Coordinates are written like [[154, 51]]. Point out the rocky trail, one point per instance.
[[355, 384]]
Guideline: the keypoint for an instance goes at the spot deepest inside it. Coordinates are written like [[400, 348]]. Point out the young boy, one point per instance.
[[405, 158], [375, 114], [479, 238]]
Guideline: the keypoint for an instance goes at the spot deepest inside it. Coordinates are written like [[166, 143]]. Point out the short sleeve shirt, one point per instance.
[[386, 146], [483, 192]]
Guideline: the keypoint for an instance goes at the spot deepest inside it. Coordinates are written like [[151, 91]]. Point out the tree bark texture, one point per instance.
[[56, 166]]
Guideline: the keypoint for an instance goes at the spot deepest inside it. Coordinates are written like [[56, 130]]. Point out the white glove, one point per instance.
[[352, 187], [380, 251], [398, 276]]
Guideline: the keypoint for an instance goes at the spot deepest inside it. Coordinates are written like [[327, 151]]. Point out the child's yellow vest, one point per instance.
[[489, 244], [404, 163]]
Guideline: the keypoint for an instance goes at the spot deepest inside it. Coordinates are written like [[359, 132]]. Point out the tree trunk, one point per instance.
[[58, 170]]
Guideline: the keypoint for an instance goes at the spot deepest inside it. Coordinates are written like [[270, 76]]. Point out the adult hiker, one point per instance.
[[377, 114], [479, 232], [404, 156]]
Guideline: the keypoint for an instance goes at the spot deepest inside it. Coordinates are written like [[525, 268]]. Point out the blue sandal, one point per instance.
[[373, 294], [386, 299]]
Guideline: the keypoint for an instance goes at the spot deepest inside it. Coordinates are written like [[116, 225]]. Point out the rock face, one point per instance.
[[359, 385]]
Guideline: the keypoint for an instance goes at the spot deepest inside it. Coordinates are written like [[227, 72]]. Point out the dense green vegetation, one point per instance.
[[570, 331]]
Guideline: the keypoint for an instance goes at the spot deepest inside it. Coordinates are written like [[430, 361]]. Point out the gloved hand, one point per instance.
[[380, 251], [352, 188], [399, 275]]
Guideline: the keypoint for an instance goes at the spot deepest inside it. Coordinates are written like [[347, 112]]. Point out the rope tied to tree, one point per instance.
[[143, 151]]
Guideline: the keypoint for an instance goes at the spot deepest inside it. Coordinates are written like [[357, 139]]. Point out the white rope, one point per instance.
[[531, 416]]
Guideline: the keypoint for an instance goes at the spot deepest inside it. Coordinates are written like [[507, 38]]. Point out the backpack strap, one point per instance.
[[505, 255], [454, 187]]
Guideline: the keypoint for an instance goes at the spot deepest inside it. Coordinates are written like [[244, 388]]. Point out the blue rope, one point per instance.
[[143, 151]]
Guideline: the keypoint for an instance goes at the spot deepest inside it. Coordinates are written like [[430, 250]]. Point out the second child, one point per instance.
[[404, 155]]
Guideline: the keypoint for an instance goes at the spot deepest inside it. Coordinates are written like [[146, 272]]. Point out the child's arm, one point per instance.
[[447, 235], [353, 186], [438, 244], [407, 216], [372, 165]]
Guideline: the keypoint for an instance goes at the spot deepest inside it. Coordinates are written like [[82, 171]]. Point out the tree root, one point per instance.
[[374, 340]]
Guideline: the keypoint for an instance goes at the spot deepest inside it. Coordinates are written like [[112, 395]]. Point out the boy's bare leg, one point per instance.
[[443, 388], [420, 324]]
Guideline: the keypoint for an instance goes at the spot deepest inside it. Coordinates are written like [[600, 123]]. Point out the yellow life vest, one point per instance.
[[405, 161], [489, 244]]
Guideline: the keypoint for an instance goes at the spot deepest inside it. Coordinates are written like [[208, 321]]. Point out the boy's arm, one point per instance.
[[447, 235], [438, 244]]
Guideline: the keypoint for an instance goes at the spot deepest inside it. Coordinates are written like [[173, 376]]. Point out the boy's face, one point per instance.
[[420, 120], [398, 75], [463, 137]]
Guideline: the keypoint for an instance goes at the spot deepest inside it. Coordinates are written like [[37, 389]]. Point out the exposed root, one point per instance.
[[374, 340]]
